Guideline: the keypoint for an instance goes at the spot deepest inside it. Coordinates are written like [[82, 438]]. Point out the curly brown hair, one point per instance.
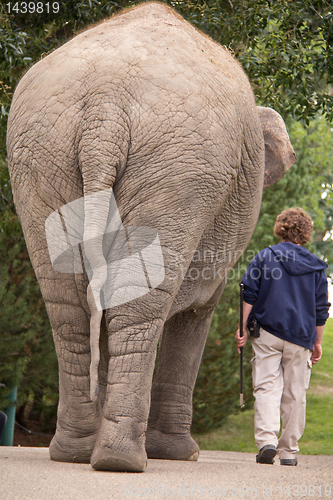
[[294, 225]]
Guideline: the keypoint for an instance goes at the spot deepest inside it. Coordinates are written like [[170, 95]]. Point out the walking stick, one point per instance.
[[241, 349]]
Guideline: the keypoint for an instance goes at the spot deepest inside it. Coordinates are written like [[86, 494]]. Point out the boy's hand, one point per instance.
[[316, 353], [241, 341]]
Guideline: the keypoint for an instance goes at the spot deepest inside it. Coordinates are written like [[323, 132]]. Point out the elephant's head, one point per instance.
[[279, 153]]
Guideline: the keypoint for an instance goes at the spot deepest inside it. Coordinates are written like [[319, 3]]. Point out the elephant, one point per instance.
[[139, 133]]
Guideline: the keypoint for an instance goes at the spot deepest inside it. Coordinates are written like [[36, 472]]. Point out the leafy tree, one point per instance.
[[285, 47], [27, 355]]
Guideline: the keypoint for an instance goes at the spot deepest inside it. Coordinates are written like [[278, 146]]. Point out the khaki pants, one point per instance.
[[281, 374]]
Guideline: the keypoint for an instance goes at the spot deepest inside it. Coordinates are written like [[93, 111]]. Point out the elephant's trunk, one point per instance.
[[96, 212]]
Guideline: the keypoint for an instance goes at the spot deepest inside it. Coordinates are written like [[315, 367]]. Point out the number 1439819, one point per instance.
[[295, 490], [33, 7]]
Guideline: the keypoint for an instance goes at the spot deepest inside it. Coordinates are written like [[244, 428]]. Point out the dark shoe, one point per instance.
[[288, 461], [266, 454]]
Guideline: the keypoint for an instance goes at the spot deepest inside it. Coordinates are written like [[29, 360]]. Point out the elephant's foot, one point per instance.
[[68, 449], [119, 448], [105, 458], [171, 446]]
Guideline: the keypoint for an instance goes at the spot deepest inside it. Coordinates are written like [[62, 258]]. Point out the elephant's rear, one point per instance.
[[145, 105]]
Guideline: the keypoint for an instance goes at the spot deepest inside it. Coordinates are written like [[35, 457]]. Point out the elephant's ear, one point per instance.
[[279, 153]]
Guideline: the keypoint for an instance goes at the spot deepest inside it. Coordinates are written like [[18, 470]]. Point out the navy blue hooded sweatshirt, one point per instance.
[[289, 287]]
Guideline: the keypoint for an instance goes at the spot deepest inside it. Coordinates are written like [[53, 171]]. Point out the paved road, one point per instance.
[[28, 474]]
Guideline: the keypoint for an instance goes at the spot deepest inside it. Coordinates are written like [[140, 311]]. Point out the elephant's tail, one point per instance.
[[97, 209], [95, 327]]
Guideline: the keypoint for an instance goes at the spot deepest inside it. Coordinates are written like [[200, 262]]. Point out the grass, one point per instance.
[[237, 433]]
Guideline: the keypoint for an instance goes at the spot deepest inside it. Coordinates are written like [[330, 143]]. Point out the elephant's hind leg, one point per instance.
[[168, 435], [78, 418], [134, 329]]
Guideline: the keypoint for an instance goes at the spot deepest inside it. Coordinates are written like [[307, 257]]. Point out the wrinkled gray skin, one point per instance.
[[147, 105]]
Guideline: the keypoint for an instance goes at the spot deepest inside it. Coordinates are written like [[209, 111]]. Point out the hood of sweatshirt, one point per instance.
[[297, 260]]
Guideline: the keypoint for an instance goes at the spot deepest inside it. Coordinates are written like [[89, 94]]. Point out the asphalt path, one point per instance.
[[29, 474]]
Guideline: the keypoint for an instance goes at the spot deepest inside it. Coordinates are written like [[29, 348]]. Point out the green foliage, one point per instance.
[[27, 356], [216, 392], [318, 437], [13, 314], [235, 434], [286, 48]]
